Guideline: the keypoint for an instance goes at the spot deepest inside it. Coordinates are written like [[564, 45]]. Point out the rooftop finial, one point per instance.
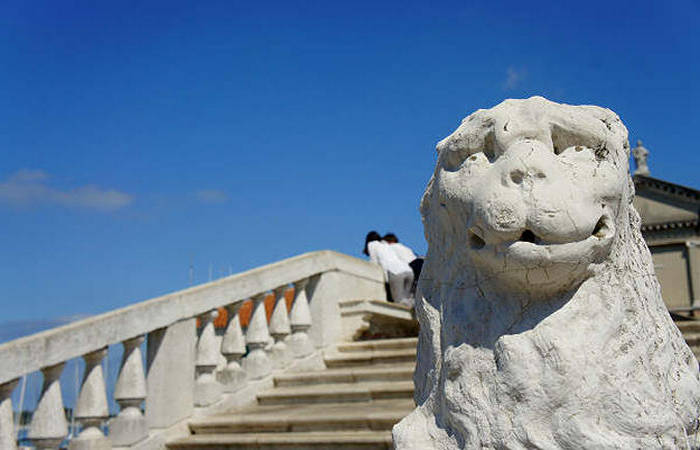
[[640, 155]]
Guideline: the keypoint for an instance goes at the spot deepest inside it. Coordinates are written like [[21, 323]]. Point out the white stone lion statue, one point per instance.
[[542, 323]]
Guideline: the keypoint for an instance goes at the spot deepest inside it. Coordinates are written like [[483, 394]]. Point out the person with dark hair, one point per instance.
[[390, 238], [397, 272], [405, 254], [371, 236]]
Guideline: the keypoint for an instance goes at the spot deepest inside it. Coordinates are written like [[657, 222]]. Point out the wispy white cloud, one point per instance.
[[211, 196], [513, 78], [29, 187]]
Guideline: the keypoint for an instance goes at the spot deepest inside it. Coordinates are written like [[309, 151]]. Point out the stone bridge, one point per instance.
[[289, 370], [308, 355]]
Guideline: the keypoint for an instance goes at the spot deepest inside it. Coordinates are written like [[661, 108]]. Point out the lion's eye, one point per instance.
[[454, 159], [478, 158], [571, 142], [489, 150], [560, 150], [455, 162], [575, 151]]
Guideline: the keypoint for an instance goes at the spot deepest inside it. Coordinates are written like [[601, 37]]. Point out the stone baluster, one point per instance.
[[232, 376], [8, 439], [170, 373], [49, 426], [130, 426], [207, 389], [300, 317], [257, 364], [91, 409], [279, 329]]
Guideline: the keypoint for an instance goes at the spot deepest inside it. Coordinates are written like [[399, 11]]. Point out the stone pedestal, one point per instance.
[[91, 438]]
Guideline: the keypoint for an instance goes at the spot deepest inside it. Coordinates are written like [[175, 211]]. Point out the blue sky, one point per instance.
[[139, 137]]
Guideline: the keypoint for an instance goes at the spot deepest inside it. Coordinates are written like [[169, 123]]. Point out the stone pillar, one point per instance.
[[257, 364], [207, 389], [300, 317], [280, 329], [694, 271], [233, 377], [129, 426], [8, 438], [326, 291], [49, 426], [91, 409], [170, 373]]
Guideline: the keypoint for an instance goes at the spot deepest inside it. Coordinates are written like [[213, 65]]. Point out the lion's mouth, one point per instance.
[[529, 236], [603, 228], [529, 246]]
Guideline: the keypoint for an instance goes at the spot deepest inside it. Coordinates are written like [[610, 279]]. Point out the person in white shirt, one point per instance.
[[405, 254], [398, 272]]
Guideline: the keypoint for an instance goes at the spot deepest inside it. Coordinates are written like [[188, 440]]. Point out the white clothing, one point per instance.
[[404, 253], [381, 253], [398, 273], [400, 287]]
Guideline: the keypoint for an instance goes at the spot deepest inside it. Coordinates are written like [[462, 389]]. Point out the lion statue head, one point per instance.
[[542, 322]]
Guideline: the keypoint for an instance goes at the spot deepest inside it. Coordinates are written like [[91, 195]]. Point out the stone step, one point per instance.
[[396, 372], [372, 357], [696, 351], [375, 415], [297, 441], [692, 339], [379, 344], [688, 326], [337, 392]]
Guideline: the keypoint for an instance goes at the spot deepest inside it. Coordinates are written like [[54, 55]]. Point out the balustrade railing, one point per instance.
[[184, 368]]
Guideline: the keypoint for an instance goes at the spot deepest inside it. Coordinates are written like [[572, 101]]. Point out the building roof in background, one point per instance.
[[666, 206]]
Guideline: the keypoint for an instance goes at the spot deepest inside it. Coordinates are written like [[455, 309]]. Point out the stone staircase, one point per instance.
[[353, 404], [366, 388]]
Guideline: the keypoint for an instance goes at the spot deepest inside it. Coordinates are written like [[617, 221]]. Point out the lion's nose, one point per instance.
[[518, 175], [528, 161]]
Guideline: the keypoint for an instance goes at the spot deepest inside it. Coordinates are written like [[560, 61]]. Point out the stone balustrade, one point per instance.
[[184, 367]]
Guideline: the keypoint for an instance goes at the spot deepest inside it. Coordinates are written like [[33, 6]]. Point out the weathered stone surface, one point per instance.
[[232, 376], [7, 427], [542, 323], [91, 409], [170, 373], [130, 426], [49, 426]]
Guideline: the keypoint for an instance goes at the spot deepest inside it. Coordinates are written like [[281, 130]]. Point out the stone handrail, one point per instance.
[[182, 367]]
